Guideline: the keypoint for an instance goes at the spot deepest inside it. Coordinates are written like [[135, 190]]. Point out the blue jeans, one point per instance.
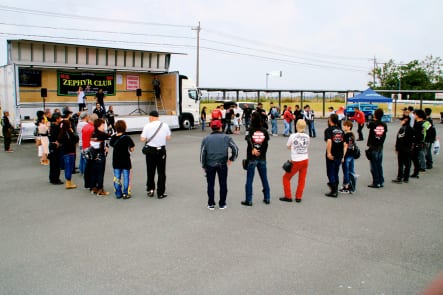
[[262, 171], [332, 169], [274, 126], [203, 125], [287, 130], [119, 184], [376, 167], [348, 169], [311, 128], [82, 162], [222, 171], [69, 161]]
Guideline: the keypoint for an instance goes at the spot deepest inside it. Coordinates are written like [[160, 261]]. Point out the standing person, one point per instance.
[[100, 98], [215, 160], [100, 150], [81, 99], [54, 149], [99, 111], [257, 139], [376, 138], [298, 114], [247, 113], [48, 116], [43, 148], [403, 147], [216, 114], [287, 119], [155, 134], [203, 118], [418, 153], [68, 140], [156, 86], [330, 111], [334, 138], [7, 132], [430, 138], [86, 135], [298, 144], [348, 159], [121, 160], [274, 114], [237, 124], [83, 122], [308, 115], [264, 117], [229, 118], [223, 117], [341, 116], [110, 120], [359, 117]]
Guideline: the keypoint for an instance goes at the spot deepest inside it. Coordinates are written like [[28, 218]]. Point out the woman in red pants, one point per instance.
[[298, 144]]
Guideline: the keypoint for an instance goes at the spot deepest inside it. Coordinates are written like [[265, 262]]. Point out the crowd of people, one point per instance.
[[59, 133], [414, 142]]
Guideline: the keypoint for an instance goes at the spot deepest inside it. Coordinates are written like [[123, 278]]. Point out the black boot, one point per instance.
[[334, 190]]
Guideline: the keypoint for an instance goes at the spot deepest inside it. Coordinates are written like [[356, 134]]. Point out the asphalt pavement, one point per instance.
[[376, 241]]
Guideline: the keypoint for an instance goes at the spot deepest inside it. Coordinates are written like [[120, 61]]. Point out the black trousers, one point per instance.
[[360, 132], [404, 165], [54, 165], [156, 161]]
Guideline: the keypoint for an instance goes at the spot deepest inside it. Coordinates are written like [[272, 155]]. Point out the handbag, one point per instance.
[[38, 141], [287, 166], [145, 148]]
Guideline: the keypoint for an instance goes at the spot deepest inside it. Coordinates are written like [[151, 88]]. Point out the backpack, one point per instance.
[[431, 133], [355, 151]]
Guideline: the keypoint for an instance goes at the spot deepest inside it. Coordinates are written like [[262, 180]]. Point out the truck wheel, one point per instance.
[[186, 123]]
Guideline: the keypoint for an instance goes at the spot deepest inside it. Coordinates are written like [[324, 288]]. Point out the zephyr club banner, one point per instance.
[[91, 82]]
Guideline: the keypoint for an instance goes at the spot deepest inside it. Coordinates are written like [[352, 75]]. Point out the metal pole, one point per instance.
[[197, 71]]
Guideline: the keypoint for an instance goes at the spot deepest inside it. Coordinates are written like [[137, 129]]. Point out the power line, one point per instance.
[[96, 18], [97, 31], [284, 60], [285, 48], [282, 54]]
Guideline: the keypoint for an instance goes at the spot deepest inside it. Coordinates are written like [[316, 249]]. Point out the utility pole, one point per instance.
[[197, 71]]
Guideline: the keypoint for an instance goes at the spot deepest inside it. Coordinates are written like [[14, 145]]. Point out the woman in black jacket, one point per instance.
[[68, 140], [99, 148]]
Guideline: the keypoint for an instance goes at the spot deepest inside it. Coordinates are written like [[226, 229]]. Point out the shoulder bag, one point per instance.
[[146, 147]]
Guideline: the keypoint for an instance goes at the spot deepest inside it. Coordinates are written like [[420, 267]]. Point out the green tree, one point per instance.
[[415, 75]]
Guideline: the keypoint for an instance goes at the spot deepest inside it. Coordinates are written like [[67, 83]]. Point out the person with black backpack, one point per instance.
[[431, 135]]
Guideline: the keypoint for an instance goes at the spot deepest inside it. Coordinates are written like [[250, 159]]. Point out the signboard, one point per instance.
[[29, 78], [132, 82], [69, 82]]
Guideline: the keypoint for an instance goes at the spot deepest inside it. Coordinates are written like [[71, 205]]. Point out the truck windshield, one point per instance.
[[193, 94]]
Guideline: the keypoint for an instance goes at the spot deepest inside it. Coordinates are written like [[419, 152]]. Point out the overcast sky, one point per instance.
[[316, 44]]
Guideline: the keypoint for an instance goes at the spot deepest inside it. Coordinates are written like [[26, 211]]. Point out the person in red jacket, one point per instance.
[[359, 117]]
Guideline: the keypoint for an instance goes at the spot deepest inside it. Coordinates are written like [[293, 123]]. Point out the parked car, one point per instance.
[[367, 108], [240, 104]]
